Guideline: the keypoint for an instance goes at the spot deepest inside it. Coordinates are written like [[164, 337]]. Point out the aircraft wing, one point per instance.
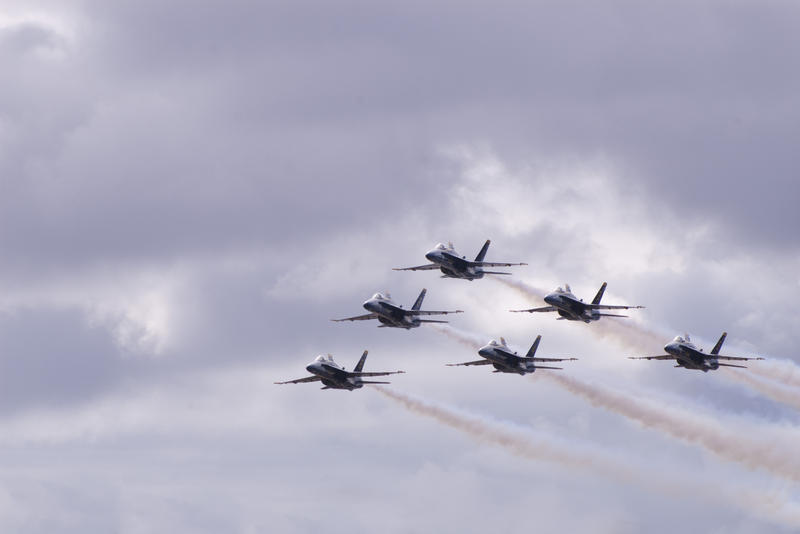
[[736, 358], [428, 312], [493, 264], [428, 267], [659, 357], [547, 359], [357, 318], [376, 373], [300, 380], [478, 362], [542, 309], [610, 307]]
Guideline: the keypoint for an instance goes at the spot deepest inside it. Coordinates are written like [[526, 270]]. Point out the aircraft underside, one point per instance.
[[331, 384], [396, 323], [450, 273]]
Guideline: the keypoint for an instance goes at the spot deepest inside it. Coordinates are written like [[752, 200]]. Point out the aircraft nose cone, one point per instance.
[[310, 368], [430, 255], [370, 305], [550, 299]]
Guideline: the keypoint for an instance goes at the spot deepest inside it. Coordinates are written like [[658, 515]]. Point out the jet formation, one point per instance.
[[571, 308], [505, 360], [687, 355], [496, 353], [334, 376]]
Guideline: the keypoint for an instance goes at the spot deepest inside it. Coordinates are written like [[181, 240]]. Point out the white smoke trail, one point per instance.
[[769, 389], [464, 338], [521, 287], [785, 371], [528, 445], [769, 448]]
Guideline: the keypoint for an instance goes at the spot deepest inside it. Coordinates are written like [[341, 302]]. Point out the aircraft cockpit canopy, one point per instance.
[[494, 343], [320, 358], [442, 246], [678, 339], [378, 296]]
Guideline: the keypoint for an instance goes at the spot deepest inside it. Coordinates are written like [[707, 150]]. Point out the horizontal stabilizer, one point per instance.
[[659, 357], [432, 321], [731, 365], [610, 315], [374, 382], [546, 367], [495, 272]]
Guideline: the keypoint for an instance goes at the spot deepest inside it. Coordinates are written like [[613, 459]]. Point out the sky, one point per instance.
[[190, 191]]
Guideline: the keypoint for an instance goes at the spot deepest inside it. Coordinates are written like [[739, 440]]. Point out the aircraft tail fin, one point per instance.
[[532, 350], [599, 294], [418, 302], [718, 346], [360, 365], [482, 253]]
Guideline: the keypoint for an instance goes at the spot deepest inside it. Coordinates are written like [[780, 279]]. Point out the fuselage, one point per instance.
[[689, 356], [570, 307], [452, 265], [389, 313], [332, 374], [505, 360]]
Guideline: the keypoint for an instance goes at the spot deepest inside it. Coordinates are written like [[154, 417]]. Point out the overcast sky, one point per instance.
[[189, 191]]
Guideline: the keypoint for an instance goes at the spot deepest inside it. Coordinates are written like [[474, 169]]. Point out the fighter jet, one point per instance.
[[446, 259], [571, 308], [333, 376], [686, 354], [390, 314], [505, 360]]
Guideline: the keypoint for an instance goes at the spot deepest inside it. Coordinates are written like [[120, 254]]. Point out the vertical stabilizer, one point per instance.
[[599, 294], [533, 348], [718, 346], [360, 365], [418, 302], [482, 253]]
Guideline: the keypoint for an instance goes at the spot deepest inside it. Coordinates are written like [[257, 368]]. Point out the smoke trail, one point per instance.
[[526, 444], [464, 338], [784, 371], [523, 288], [768, 389], [775, 453]]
